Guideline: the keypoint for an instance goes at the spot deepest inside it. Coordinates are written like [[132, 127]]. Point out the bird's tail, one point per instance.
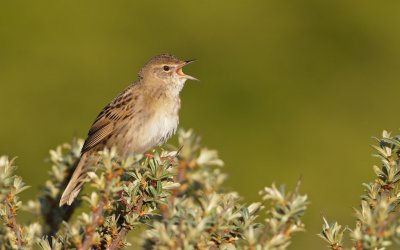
[[75, 183]]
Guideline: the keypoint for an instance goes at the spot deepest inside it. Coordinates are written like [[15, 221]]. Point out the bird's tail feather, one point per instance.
[[75, 183]]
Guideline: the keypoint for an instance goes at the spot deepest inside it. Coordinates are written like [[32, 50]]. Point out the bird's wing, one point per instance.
[[105, 123]]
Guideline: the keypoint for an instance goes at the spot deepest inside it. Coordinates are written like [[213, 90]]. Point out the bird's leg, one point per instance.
[[171, 158]]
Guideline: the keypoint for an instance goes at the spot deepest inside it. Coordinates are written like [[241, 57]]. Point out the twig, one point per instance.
[[124, 230], [121, 235], [15, 228], [92, 228], [87, 243], [12, 222], [182, 167]]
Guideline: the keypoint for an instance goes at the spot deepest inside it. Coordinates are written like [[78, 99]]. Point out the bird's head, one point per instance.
[[166, 69]]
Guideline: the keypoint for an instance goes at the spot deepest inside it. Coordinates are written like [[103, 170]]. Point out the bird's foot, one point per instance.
[[169, 158], [149, 156]]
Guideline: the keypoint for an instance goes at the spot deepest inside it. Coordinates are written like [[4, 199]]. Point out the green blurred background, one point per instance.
[[288, 88]]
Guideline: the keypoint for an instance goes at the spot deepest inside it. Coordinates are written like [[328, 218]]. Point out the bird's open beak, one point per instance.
[[180, 72]]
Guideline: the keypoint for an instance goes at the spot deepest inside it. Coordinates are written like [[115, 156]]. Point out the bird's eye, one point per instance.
[[166, 68]]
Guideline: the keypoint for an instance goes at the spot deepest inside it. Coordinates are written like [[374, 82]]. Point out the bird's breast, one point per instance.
[[153, 128]]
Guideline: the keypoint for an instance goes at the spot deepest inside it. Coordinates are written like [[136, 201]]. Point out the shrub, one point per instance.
[[378, 224], [175, 198]]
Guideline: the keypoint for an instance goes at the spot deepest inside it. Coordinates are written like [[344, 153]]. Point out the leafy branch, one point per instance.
[[175, 195], [378, 222]]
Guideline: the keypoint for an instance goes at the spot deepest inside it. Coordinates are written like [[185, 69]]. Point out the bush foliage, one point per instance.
[[174, 199], [378, 224]]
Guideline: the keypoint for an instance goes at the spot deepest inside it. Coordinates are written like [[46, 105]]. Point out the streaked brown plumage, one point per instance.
[[143, 116]]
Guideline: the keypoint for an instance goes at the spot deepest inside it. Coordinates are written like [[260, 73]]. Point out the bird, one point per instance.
[[143, 116]]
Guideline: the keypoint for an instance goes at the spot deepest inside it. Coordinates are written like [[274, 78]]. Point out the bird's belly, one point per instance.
[[142, 137]]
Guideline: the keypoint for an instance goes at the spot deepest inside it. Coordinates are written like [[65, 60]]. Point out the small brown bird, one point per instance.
[[143, 116]]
